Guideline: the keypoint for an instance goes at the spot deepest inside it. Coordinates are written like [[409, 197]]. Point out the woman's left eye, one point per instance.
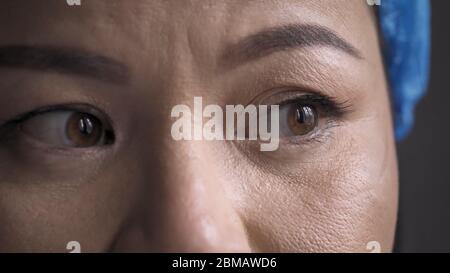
[[298, 119], [67, 128]]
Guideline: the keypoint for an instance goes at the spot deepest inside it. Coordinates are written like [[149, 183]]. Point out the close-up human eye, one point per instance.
[[305, 115], [65, 128]]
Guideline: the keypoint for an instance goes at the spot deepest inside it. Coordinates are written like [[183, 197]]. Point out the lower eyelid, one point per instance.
[[317, 136], [32, 147]]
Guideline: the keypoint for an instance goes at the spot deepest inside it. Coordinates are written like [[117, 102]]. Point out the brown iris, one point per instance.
[[302, 119], [84, 130]]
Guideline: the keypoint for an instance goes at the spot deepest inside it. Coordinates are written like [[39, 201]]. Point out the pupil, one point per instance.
[[85, 126], [85, 130], [305, 115]]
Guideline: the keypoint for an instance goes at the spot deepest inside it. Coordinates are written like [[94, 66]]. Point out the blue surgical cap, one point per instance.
[[405, 26]]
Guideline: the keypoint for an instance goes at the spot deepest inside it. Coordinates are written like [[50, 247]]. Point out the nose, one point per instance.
[[185, 206]]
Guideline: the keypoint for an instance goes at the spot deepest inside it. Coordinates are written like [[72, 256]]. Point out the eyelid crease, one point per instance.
[[85, 108]]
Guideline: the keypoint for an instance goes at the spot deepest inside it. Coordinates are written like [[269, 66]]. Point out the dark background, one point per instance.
[[424, 218]]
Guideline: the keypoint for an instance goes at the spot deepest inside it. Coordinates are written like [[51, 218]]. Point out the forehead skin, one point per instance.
[[153, 194], [194, 29]]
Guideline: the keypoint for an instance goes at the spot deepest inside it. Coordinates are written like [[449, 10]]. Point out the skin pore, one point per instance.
[[123, 65]]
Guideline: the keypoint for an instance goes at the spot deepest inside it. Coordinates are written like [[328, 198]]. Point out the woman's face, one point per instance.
[[87, 154]]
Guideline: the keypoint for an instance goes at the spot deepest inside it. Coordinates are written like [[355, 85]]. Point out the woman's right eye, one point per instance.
[[67, 128]]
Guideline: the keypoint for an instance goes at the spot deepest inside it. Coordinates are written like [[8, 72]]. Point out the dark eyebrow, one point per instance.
[[286, 37], [64, 60]]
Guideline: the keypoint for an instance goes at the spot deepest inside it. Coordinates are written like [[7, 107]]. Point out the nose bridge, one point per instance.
[[198, 210], [188, 209]]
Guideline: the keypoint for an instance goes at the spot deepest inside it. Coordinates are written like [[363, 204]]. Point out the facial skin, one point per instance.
[[333, 190]]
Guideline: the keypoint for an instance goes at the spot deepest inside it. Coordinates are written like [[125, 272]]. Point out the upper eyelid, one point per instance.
[[306, 98], [331, 105], [288, 95], [292, 91], [89, 109]]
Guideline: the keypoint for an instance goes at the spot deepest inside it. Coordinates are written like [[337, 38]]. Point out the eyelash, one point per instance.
[[331, 106], [43, 110]]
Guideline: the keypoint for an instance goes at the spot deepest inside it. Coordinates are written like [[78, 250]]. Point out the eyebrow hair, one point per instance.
[[64, 60], [282, 38]]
